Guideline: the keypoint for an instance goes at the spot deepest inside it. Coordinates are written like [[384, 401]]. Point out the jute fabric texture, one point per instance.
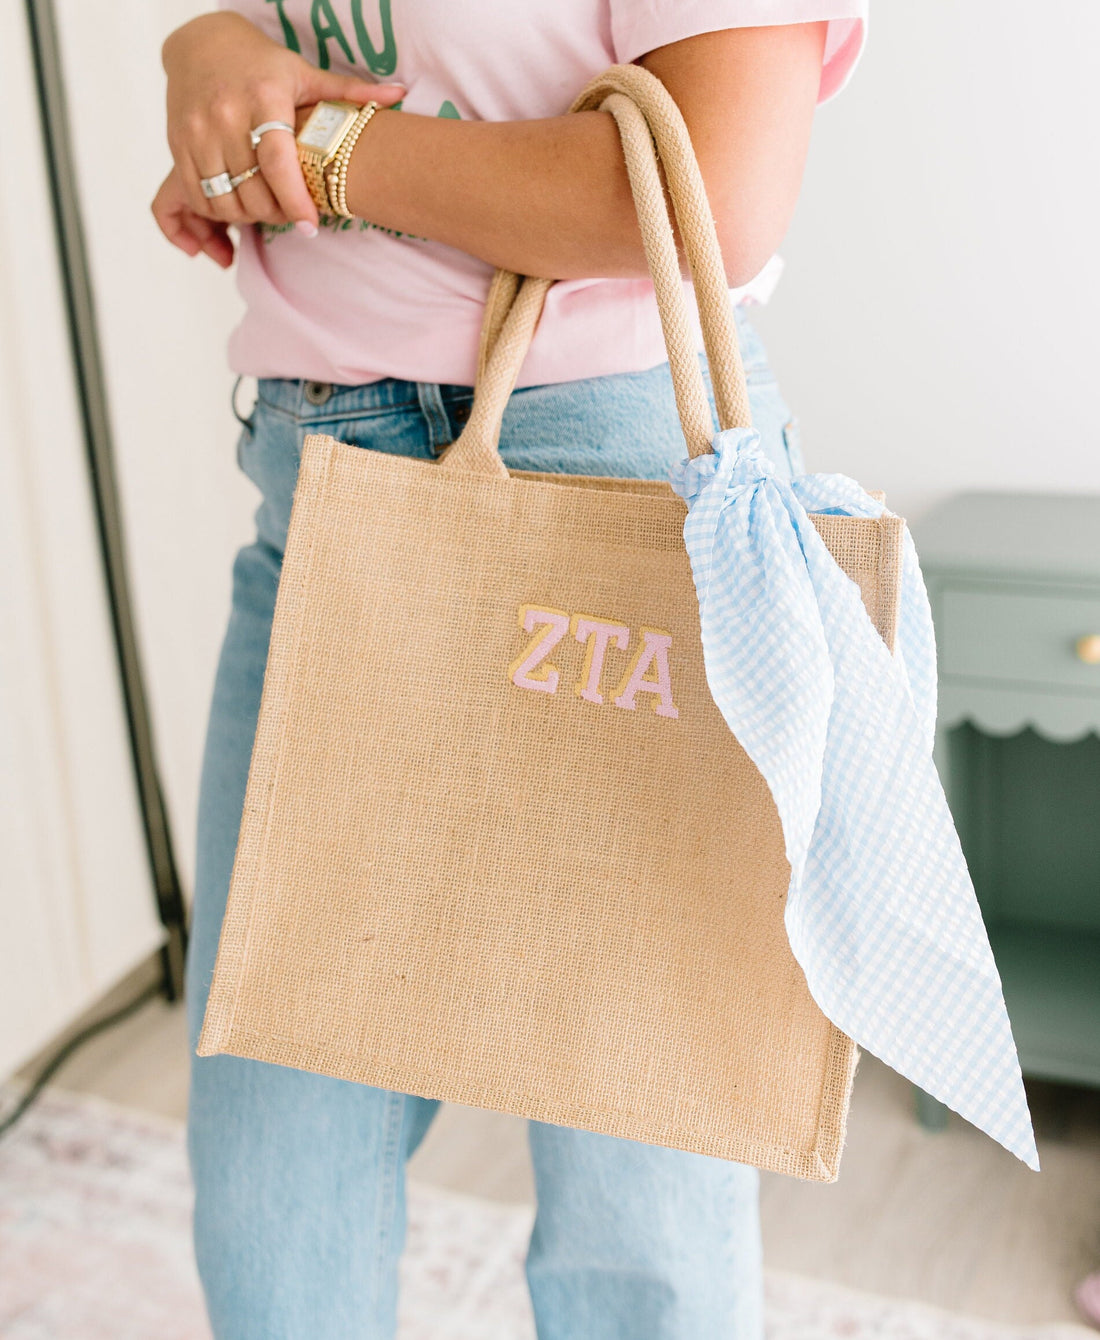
[[499, 846]]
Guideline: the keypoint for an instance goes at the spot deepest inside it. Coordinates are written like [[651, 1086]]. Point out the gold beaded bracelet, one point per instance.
[[336, 180]]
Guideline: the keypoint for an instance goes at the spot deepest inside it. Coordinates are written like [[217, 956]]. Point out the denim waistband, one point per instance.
[[307, 399]]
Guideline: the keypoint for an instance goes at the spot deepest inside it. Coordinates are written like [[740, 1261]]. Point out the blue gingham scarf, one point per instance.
[[881, 913]]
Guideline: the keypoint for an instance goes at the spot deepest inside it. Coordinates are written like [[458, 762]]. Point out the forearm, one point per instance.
[[548, 197], [551, 197]]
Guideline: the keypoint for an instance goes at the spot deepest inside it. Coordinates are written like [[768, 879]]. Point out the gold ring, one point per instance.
[[234, 182]]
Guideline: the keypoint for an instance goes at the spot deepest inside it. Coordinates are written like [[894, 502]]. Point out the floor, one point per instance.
[[947, 1218]]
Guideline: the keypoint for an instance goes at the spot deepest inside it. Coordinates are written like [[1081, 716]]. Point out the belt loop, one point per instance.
[[435, 416]]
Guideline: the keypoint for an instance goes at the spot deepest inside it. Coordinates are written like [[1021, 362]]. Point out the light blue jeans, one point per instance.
[[300, 1179]]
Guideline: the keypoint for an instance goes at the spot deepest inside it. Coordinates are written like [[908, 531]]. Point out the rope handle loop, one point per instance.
[[653, 135]]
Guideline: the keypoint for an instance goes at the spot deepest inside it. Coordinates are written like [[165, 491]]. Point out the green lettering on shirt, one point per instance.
[[326, 28], [449, 110], [290, 37], [382, 62]]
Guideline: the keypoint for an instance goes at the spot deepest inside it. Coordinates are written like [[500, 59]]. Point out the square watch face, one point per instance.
[[323, 126]]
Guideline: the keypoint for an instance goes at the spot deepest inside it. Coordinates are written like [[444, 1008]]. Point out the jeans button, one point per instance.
[[318, 392], [461, 411]]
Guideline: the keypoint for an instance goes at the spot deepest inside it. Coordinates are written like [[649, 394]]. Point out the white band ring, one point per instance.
[[224, 184], [257, 134], [212, 187]]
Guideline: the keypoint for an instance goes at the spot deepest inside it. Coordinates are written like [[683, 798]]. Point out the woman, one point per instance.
[[368, 329]]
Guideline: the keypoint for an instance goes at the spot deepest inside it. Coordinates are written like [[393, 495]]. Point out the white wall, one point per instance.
[[936, 327], [164, 320]]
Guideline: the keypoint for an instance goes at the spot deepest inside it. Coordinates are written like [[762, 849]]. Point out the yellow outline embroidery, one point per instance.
[[545, 640]]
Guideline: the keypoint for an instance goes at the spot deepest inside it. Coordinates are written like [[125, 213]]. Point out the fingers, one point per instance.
[[276, 194], [189, 231], [323, 85], [254, 197], [222, 147], [213, 240], [257, 201], [251, 202], [197, 141], [168, 206], [277, 155], [221, 142], [194, 235]]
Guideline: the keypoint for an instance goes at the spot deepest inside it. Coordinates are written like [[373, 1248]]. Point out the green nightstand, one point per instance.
[[1014, 581]]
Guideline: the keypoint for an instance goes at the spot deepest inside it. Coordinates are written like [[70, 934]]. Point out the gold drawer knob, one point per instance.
[[1088, 649]]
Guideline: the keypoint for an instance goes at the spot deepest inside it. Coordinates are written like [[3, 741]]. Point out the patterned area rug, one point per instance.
[[94, 1245]]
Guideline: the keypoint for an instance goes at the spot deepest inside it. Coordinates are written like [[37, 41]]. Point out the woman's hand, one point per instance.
[[187, 230], [224, 77]]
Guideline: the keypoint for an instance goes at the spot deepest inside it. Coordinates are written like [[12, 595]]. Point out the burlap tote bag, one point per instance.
[[499, 846]]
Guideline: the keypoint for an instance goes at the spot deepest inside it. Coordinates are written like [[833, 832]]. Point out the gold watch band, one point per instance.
[[315, 180]]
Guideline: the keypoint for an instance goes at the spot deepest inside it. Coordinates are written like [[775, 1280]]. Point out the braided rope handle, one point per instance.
[[650, 125]]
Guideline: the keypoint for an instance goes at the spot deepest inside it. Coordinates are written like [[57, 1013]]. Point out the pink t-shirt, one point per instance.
[[357, 303]]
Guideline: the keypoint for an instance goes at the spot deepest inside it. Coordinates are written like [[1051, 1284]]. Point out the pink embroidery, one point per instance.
[[521, 670], [597, 633], [648, 671], [653, 652]]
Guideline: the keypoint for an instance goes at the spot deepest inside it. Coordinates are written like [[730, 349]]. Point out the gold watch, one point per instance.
[[325, 143]]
